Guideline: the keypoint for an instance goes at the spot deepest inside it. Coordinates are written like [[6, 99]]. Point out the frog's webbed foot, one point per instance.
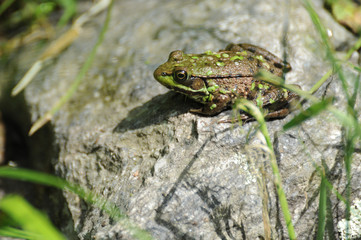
[[197, 111]]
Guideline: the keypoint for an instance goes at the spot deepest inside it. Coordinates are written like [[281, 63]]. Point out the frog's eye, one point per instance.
[[180, 76]]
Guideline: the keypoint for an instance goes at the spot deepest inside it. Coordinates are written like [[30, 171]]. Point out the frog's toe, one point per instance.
[[196, 110], [281, 113], [204, 111]]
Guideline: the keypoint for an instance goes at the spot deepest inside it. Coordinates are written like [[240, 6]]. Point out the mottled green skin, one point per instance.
[[216, 79]]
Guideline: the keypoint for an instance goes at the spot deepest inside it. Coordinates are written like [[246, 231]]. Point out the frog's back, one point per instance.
[[257, 52], [233, 63]]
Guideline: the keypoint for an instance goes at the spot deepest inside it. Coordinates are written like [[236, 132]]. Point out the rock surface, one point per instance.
[[179, 175]]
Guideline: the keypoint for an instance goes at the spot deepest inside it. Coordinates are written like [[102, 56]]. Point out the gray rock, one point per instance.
[[179, 175]]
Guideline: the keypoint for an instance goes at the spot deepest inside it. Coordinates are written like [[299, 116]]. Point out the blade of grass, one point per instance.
[[326, 44], [313, 110], [324, 78], [351, 139], [320, 82], [29, 218], [354, 48], [346, 119], [30, 74], [252, 109], [6, 231], [321, 172], [80, 76], [60, 44], [357, 68], [279, 82], [322, 204], [69, 7], [5, 5], [352, 132], [49, 180]]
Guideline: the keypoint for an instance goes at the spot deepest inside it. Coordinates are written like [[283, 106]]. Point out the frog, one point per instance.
[[217, 79]]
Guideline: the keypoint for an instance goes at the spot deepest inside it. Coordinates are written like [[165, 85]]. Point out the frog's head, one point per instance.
[[176, 74]]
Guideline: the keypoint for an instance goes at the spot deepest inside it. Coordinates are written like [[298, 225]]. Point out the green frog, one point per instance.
[[217, 79]]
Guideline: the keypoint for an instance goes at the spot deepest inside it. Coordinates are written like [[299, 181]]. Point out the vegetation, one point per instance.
[[37, 226], [348, 119]]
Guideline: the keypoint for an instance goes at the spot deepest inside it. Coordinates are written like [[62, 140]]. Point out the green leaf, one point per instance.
[[313, 110], [33, 176], [5, 5], [322, 209], [69, 7], [49, 180], [7, 231], [29, 218]]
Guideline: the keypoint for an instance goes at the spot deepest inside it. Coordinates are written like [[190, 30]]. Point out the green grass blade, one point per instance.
[[78, 79], [351, 139], [252, 109], [5, 5], [319, 26], [324, 78], [33, 176], [322, 207], [69, 7], [346, 119], [49, 180], [357, 68], [320, 82], [279, 82], [6, 231], [312, 111], [29, 218], [326, 44]]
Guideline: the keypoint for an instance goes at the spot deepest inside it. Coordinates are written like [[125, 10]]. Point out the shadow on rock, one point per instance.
[[155, 111]]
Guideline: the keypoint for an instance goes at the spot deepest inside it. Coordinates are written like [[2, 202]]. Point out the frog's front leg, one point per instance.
[[281, 113], [216, 104]]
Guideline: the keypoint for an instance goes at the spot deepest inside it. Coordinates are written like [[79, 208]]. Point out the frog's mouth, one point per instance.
[[197, 95]]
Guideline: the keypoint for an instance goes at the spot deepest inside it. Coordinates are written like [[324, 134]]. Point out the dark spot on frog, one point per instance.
[[259, 64], [278, 65], [251, 70], [250, 58], [272, 70], [267, 58], [251, 49]]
